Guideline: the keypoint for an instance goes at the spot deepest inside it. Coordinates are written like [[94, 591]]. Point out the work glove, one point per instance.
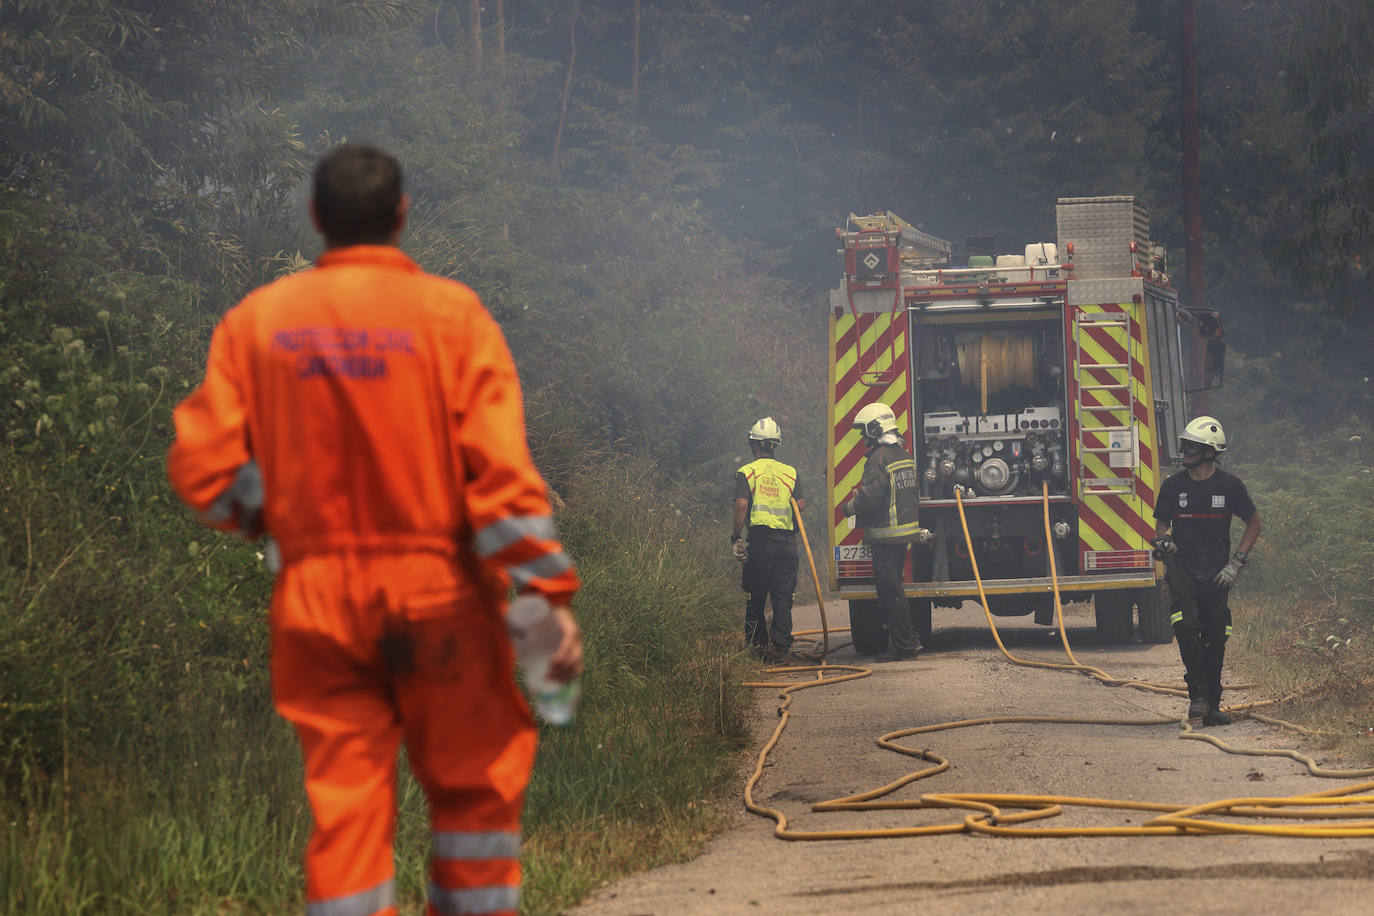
[[1164, 548], [739, 549], [847, 507], [1227, 577], [241, 504]]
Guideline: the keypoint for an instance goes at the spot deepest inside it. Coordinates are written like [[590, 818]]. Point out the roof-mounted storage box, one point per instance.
[[1102, 230]]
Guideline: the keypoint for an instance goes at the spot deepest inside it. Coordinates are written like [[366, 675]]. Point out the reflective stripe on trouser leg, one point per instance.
[[474, 901], [480, 845], [363, 903], [480, 871]]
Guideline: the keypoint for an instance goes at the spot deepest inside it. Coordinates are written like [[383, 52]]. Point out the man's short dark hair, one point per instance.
[[357, 190]]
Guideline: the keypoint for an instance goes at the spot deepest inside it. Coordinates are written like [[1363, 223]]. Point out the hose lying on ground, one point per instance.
[[987, 815]]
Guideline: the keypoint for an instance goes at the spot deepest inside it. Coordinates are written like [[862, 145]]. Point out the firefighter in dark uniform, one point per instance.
[[764, 491], [885, 505], [1193, 537]]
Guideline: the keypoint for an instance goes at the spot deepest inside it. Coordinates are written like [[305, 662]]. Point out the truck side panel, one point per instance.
[[1112, 433], [869, 364]]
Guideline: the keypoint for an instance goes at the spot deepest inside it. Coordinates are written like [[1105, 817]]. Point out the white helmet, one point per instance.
[[1204, 431], [873, 420], [766, 430]]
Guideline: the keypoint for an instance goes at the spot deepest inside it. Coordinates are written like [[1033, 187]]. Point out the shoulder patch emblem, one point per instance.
[[1183, 499]]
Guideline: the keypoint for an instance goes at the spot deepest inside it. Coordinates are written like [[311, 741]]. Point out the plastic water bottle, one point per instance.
[[535, 633]]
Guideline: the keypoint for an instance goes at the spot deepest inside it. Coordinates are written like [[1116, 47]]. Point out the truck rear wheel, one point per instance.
[[867, 626], [1154, 614], [920, 619], [1112, 611]]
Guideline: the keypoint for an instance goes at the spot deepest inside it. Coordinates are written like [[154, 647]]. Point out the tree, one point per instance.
[[1333, 81]]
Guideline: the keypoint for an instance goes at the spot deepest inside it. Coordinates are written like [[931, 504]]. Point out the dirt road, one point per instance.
[[828, 750]]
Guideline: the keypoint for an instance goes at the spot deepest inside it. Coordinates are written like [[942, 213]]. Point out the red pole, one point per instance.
[[1192, 199]]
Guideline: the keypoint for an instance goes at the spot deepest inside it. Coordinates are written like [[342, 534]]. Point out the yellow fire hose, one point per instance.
[[820, 602], [988, 816]]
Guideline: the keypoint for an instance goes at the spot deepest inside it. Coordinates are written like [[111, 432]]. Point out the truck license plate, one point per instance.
[[853, 552]]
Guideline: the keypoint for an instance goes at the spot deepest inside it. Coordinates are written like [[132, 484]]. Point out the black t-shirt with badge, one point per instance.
[[1200, 512]]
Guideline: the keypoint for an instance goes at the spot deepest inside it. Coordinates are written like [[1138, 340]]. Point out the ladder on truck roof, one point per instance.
[[915, 245], [1092, 332]]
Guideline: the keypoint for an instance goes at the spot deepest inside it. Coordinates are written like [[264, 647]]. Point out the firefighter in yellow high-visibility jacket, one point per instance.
[[369, 417], [764, 491]]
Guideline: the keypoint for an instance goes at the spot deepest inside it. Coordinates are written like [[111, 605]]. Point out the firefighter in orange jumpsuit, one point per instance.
[[368, 416]]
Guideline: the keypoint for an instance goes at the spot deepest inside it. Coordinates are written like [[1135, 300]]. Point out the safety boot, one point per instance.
[[1214, 716], [775, 655], [1197, 708]]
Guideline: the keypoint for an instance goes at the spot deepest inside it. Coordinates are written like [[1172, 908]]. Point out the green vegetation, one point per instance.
[[1305, 605], [662, 699], [157, 780], [655, 243]]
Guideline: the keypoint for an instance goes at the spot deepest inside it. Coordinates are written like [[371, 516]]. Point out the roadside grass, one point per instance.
[[199, 831], [1304, 607], [1316, 657], [629, 785], [143, 770]]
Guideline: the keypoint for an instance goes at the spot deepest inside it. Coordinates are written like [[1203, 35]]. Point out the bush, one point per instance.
[[1311, 473], [151, 775]]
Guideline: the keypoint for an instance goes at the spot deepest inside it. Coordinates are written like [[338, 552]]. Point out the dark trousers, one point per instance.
[[770, 571], [1202, 623], [888, 560]]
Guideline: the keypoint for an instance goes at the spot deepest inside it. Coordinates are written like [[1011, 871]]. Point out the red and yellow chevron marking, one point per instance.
[[1111, 521], [864, 351]]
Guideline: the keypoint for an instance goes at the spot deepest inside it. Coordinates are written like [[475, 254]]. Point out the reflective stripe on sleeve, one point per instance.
[[363, 903], [1228, 631], [222, 509], [545, 567], [1175, 617], [476, 845], [473, 900], [499, 535]]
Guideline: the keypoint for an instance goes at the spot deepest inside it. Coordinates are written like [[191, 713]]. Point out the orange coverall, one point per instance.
[[383, 409]]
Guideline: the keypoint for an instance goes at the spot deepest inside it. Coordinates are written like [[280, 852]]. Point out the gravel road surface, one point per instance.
[[828, 750]]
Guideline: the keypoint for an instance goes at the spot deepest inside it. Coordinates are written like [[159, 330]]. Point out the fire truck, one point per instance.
[[1057, 378]]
